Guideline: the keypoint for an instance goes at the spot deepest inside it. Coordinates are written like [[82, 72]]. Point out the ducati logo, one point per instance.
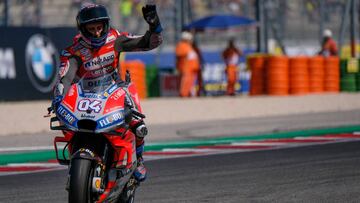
[[42, 61]]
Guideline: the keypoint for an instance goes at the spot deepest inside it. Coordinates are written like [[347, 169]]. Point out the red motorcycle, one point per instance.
[[98, 145]]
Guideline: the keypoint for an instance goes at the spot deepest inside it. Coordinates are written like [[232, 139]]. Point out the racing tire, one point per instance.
[[80, 181]]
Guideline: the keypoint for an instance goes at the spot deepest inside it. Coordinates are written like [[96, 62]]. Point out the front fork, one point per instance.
[[98, 181]]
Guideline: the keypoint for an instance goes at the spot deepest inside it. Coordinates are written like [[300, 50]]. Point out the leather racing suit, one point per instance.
[[81, 60]]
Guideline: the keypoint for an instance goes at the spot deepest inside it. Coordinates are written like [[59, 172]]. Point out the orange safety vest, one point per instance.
[[231, 57], [187, 59]]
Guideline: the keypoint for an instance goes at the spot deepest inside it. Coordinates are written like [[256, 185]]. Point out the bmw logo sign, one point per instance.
[[42, 62]]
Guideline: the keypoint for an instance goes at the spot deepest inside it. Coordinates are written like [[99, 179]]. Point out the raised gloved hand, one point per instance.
[[151, 17], [56, 102]]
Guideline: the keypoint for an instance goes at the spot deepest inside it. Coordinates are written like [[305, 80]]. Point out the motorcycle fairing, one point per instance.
[[135, 96], [67, 117], [107, 108], [110, 120], [71, 97], [125, 150], [115, 101]]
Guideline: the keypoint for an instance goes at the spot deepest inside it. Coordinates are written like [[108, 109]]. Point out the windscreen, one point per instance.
[[98, 84]]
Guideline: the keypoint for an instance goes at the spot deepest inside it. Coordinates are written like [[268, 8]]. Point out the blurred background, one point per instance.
[[293, 73], [280, 27], [294, 21]]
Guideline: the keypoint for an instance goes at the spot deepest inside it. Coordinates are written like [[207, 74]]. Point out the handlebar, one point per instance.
[[49, 109], [138, 114], [133, 112]]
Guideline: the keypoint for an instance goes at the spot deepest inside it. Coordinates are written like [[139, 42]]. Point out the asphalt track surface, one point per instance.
[[211, 129], [321, 173]]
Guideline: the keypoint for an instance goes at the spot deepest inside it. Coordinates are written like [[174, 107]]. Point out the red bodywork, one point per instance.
[[124, 145]]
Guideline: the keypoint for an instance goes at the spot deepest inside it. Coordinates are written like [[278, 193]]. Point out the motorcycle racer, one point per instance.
[[95, 53]]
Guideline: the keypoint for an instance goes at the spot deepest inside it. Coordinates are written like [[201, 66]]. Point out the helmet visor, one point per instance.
[[93, 14]]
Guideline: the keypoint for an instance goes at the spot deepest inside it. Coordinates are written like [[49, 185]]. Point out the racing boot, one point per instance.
[[140, 171], [140, 130]]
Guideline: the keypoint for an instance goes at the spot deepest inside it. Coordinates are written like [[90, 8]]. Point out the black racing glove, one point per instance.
[[151, 17], [56, 102]]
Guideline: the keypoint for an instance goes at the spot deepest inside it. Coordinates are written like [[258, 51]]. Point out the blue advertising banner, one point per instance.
[[29, 59]]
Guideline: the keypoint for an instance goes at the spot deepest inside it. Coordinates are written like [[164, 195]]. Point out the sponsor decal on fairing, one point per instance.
[[66, 116], [111, 119], [112, 89], [87, 116], [102, 81], [117, 95], [92, 96]]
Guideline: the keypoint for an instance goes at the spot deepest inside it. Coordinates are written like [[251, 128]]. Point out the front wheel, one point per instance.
[[80, 181]]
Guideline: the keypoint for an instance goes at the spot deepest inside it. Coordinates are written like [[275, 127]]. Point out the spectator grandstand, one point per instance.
[[288, 17]]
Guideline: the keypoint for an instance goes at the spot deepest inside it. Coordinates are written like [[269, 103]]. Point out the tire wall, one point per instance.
[[301, 75]]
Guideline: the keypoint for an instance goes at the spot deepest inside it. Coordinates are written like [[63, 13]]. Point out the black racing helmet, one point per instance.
[[90, 14]]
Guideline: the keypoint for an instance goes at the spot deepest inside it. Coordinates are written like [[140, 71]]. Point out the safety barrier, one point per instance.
[[299, 75], [281, 75], [152, 81], [137, 73], [272, 75], [316, 74], [257, 79], [349, 75], [332, 74], [277, 75]]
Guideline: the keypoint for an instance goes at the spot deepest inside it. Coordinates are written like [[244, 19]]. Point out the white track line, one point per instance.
[[318, 138], [16, 149], [188, 150], [257, 143], [34, 165]]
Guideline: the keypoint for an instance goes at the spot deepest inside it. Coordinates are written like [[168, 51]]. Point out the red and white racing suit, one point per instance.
[[81, 60]]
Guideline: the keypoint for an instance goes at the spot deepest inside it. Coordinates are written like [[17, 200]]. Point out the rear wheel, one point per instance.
[[128, 193], [81, 174]]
